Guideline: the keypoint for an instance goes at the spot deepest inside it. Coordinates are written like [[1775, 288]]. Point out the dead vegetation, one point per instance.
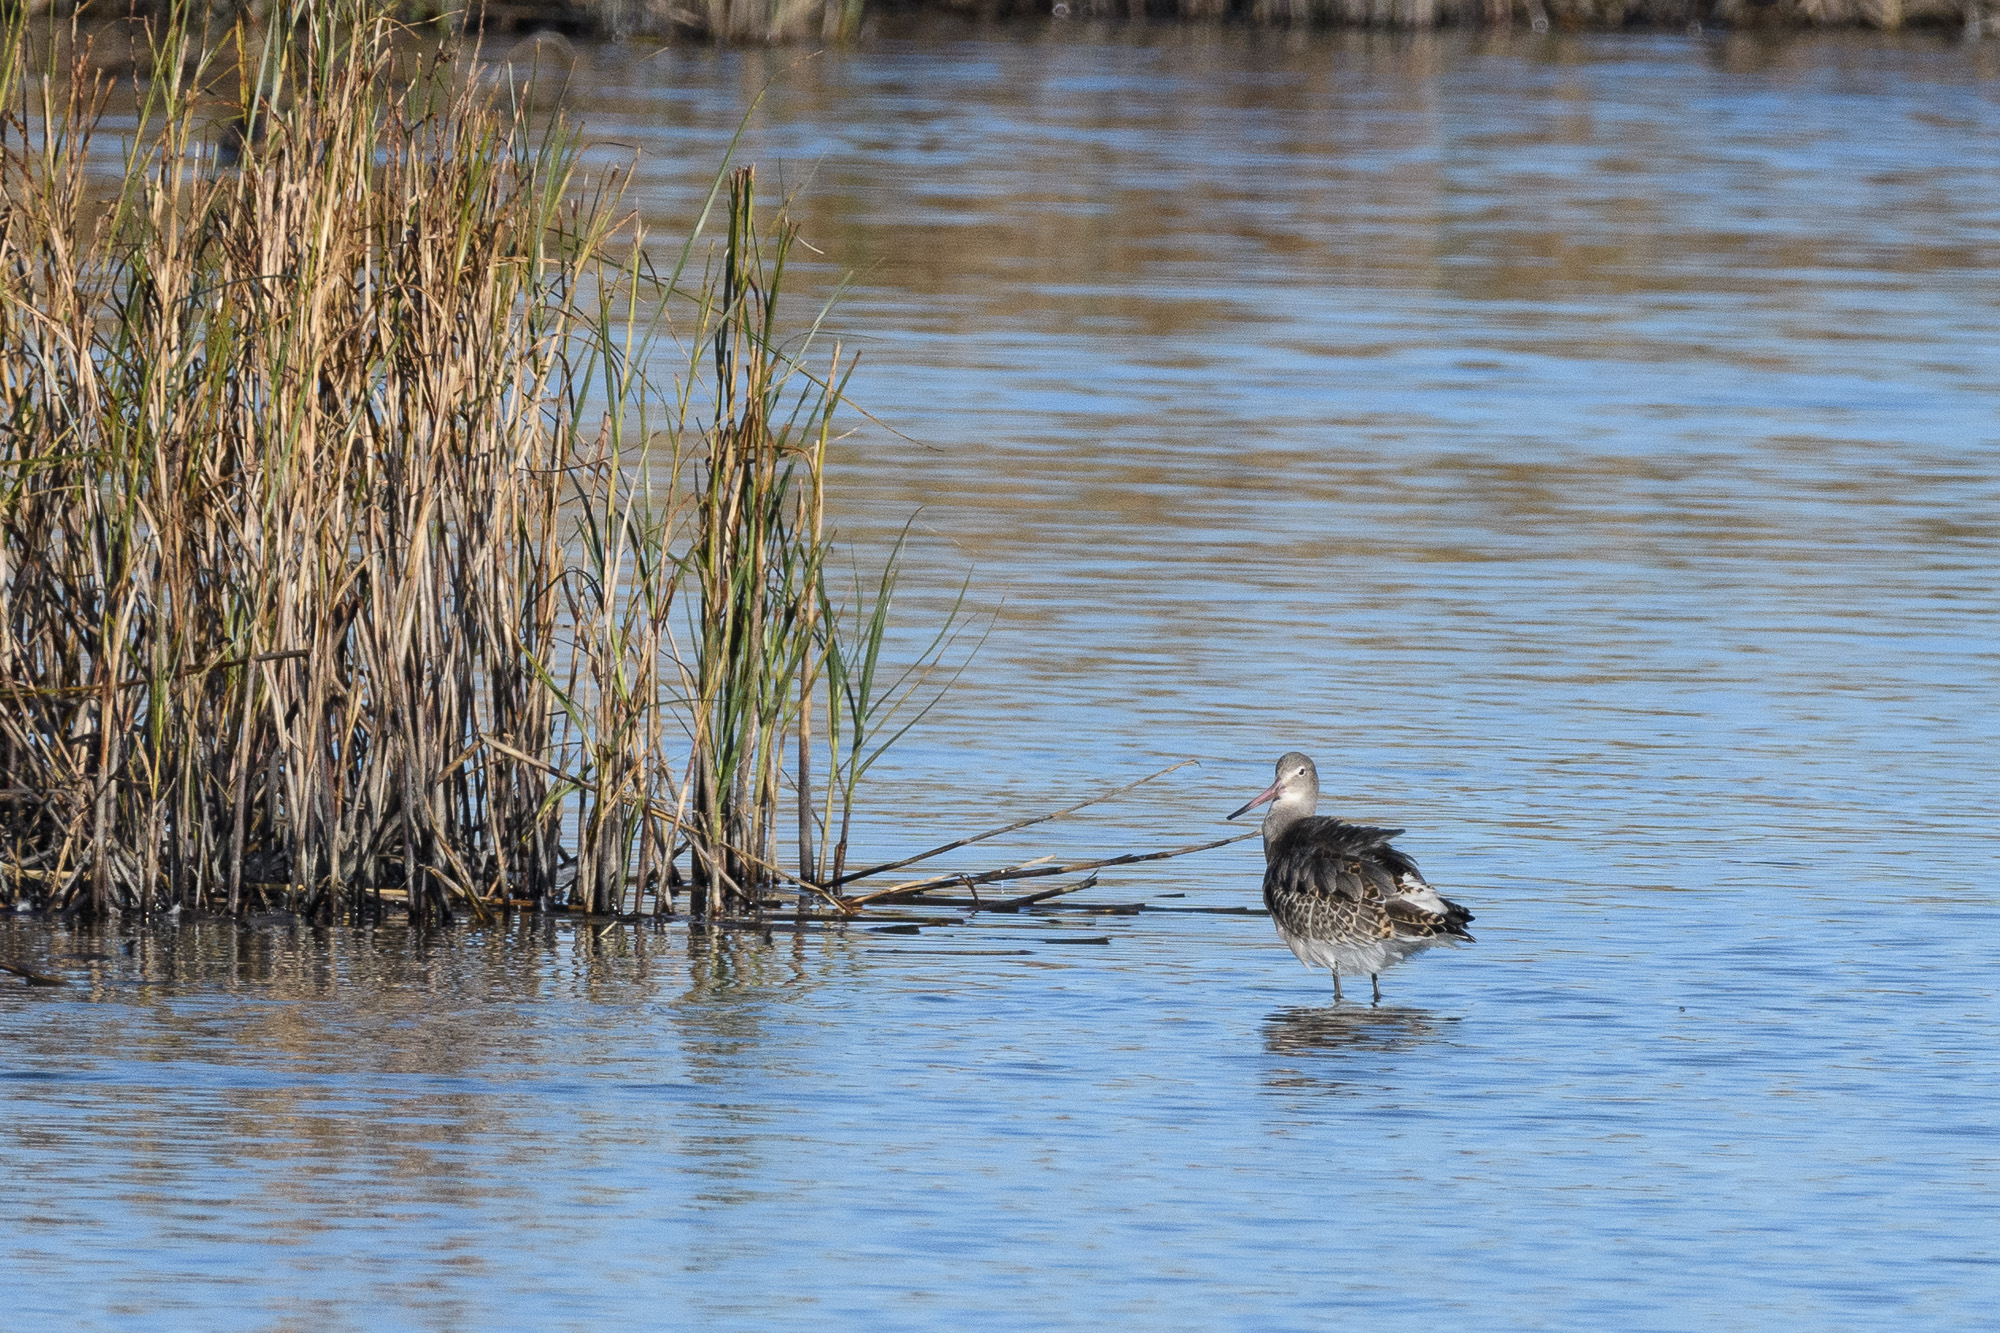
[[387, 522]]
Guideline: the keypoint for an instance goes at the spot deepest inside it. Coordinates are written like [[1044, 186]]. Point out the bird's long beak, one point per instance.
[[1269, 792]]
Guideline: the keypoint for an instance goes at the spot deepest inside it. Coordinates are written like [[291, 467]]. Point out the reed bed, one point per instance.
[[352, 554], [388, 523], [281, 447]]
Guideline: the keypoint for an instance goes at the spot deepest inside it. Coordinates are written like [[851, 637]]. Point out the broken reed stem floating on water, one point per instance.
[[1017, 825], [1035, 872], [32, 977]]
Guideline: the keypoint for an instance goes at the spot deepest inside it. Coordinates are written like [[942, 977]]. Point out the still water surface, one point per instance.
[[1586, 448]]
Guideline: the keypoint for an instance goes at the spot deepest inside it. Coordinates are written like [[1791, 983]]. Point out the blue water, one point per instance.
[[1586, 448]]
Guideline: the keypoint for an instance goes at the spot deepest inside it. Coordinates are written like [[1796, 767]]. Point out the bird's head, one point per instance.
[[1295, 792]]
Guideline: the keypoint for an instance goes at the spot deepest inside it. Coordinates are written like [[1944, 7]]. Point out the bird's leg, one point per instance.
[[1336, 984], [1376, 978]]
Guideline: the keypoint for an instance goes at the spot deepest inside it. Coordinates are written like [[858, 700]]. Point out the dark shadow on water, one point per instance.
[[1327, 1047]]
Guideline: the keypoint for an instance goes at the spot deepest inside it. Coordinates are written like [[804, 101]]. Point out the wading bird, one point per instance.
[[1341, 896]]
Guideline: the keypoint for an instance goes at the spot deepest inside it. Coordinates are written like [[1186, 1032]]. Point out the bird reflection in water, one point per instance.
[[1318, 1044]]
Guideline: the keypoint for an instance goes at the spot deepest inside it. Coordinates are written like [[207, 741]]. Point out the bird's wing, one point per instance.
[[1325, 859], [1353, 838], [1314, 870], [1412, 904]]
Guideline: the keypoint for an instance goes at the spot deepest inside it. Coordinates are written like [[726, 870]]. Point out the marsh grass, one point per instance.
[[387, 522], [354, 550], [281, 448]]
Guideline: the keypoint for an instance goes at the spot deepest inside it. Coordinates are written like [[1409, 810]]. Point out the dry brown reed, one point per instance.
[[339, 520], [381, 525], [281, 450]]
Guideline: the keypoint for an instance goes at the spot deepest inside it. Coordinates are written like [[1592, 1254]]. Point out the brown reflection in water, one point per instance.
[[1075, 187], [1171, 198], [385, 1071]]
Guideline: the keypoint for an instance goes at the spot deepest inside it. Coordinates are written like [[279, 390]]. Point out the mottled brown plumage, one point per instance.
[[1340, 895]]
